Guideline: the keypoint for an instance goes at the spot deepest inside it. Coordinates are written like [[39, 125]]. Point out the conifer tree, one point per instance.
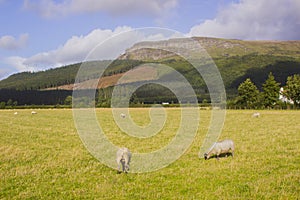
[[292, 89], [270, 92], [248, 94]]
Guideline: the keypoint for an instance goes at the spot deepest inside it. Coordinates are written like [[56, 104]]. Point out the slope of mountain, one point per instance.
[[235, 59]]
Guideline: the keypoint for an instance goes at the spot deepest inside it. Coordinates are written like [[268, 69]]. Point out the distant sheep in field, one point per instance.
[[122, 115], [257, 114], [15, 113], [123, 158], [33, 112], [222, 147]]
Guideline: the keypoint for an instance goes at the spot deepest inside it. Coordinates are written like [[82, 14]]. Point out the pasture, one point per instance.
[[42, 157]]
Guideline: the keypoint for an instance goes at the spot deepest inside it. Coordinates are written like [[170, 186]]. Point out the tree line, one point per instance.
[[249, 96], [10, 98]]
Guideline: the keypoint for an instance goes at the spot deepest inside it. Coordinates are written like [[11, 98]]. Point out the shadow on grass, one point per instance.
[[223, 155]]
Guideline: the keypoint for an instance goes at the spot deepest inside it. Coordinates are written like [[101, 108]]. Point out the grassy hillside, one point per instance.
[[226, 47], [236, 59], [48, 160]]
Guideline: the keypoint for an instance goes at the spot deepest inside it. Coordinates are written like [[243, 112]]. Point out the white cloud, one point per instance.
[[50, 8], [18, 63], [9, 42], [254, 20], [4, 72], [81, 48]]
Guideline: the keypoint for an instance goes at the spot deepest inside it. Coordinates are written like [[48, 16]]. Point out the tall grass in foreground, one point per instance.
[[42, 157]]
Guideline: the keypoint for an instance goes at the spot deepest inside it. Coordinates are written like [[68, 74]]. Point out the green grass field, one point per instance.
[[42, 157]]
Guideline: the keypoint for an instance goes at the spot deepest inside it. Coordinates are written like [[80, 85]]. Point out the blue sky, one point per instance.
[[37, 35]]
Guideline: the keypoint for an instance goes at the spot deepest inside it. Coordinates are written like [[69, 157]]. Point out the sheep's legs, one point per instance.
[[119, 167], [123, 166]]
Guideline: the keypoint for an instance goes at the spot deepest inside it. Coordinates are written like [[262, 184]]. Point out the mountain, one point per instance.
[[235, 59]]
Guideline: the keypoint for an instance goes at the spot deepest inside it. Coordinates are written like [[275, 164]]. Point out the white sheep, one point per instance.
[[33, 112], [222, 147], [122, 115], [15, 113], [123, 158], [257, 114]]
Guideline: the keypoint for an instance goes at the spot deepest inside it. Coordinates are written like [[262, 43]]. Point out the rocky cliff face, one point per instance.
[[163, 49], [215, 47]]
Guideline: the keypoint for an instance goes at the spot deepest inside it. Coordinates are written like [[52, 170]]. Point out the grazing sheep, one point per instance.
[[256, 114], [122, 115], [222, 147], [33, 112], [15, 113], [123, 158]]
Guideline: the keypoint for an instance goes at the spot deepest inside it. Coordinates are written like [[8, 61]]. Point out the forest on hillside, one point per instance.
[[42, 88]]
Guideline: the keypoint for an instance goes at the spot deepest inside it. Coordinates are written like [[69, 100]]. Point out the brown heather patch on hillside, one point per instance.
[[144, 73]]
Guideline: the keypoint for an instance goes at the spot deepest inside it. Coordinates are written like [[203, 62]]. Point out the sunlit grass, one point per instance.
[[42, 157]]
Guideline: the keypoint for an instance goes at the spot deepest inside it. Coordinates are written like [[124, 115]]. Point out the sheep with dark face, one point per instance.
[[222, 147], [123, 158]]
